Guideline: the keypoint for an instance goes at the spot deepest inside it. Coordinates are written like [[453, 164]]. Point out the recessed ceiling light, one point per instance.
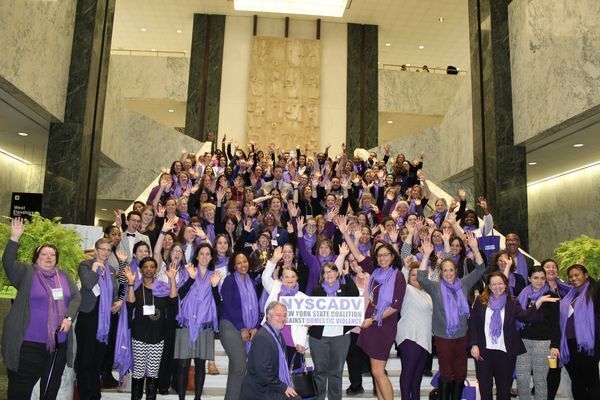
[[421, 47], [388, 44], [143, 29], [408, 65], [103, 209], [578, 145], [171, 110], [14, 157], [23, 134], [179, 31], [532, 163], [390, 122], [185, 51], [441, 19], [152, 49]]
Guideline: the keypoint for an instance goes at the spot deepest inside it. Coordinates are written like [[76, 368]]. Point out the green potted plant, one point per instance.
[[582, 250], [38, 231]]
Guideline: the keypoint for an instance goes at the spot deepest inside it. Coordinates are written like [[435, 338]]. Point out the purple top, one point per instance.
[[37, 330], [232, 303], [313, 264]]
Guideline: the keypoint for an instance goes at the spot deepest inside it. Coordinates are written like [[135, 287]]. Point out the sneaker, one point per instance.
[[354, 391]]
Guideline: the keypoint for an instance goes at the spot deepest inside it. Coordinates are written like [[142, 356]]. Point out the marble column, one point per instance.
[[500, 170], [362, 87], [204, 86], [74, 146]]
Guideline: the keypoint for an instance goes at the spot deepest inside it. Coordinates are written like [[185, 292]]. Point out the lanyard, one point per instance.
[[144, 295]]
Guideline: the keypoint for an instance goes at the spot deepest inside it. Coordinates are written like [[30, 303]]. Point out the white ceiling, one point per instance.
[[405, 24]]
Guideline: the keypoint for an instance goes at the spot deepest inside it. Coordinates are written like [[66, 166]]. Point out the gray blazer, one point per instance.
[[89, 279], [124, 244], [21, 277], [284, 187]]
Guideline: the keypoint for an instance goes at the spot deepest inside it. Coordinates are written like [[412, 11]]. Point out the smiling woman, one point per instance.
[[39, 322]]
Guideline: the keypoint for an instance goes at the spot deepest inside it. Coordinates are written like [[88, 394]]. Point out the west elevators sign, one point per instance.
[[25, 204]]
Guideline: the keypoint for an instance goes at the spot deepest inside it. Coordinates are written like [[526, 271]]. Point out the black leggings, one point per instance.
[[199, 376]]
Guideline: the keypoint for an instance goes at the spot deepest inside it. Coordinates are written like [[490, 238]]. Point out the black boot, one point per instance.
[[457, 389], [151, 386], [444, 390], [137, 388]]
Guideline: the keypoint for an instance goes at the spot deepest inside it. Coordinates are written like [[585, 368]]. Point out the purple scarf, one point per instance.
[[386, 278], [496, 304], [284, 370], [522, 265], [562, 288], [438, 218], [528, 296], [210, 232], [221, 261], [286, 291], [329, 258], [331, 290], [364, 248], [310, 241], [455, 304], [123, 360], [106, 292], [512, 281], [56, 308], [469, 228], [198, 308], [135, 268], [585, 324], [249, 302]]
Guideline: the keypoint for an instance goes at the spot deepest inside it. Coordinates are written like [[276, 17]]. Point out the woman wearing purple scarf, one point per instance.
[[493, 337], [329, 343], [148, 312], [239, 320], [541, 338], [195, 336], [580, 342], [378, 331], [47, 302], [561, 289], [450, 314], [98, 301]]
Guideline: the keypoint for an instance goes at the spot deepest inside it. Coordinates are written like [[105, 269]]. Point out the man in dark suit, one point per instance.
[[131, 236], [264, 378], [522, 262]]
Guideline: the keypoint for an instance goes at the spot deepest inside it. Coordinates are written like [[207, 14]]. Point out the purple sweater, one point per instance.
[[232, 303], [37, 330]]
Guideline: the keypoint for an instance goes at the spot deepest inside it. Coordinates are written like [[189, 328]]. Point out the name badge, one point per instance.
[[57, 294], [149, 310], [96, 290], [274, 242]]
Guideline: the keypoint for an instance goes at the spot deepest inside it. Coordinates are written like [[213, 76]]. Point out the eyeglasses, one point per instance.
[[104, 249], [311, 225], [380, 255]]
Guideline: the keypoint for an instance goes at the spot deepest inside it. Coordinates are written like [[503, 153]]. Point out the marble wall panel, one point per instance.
[[36, 38], [136, 143], [284, 92], [555, 217], [555, 62], [417, 93]]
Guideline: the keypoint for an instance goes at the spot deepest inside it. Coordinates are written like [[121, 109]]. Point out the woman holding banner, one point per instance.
[[378, 331], [329, 343]]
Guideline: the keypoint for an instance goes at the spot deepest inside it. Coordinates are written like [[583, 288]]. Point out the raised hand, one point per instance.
[[300, 225], [343, 224], [121, 256], [169, 224], [16, 229], [426, 246], [331, 214], [546, 299], [215, 278], [290, 227], [453, 204], [472, 241], [160, 210], [292, 209], [248, 225], [388, 149], [462, 193], [277, 254], [483, 203], [220, 194], [198, 231], [172, 271], [393, 234], [344, 249], [130, 275], [192, 272]]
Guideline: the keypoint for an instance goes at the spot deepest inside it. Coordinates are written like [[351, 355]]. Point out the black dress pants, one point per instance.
[[583, 371], [90, 354], [35, 363]]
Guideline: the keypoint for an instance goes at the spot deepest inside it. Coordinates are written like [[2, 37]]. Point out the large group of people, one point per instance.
[[225, 234]]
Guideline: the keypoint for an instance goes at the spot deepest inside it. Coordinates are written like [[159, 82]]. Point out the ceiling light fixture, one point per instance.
[[421, 47], [152, 49], [179, 31], [103, 209], [171, 110], [441, 19], [143, 29], [594, 164], [408, 65], [390, 122], [533, 163], [388, 44], [578, 145], [14, 157], [23, 134], [325, 8]]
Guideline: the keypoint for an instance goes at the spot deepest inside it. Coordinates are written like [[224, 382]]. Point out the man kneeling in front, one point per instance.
[[267, 372]]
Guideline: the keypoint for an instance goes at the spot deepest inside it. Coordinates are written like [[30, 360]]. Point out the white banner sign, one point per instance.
[[324, 310]]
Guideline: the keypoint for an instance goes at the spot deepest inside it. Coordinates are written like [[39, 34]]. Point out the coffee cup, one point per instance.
[[552, 362]]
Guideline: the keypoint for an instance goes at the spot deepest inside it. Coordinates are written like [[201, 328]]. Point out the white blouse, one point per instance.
[[415, 323], [499, 345]]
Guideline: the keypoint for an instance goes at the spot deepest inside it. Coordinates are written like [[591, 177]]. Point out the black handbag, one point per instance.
[[303, 380]]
